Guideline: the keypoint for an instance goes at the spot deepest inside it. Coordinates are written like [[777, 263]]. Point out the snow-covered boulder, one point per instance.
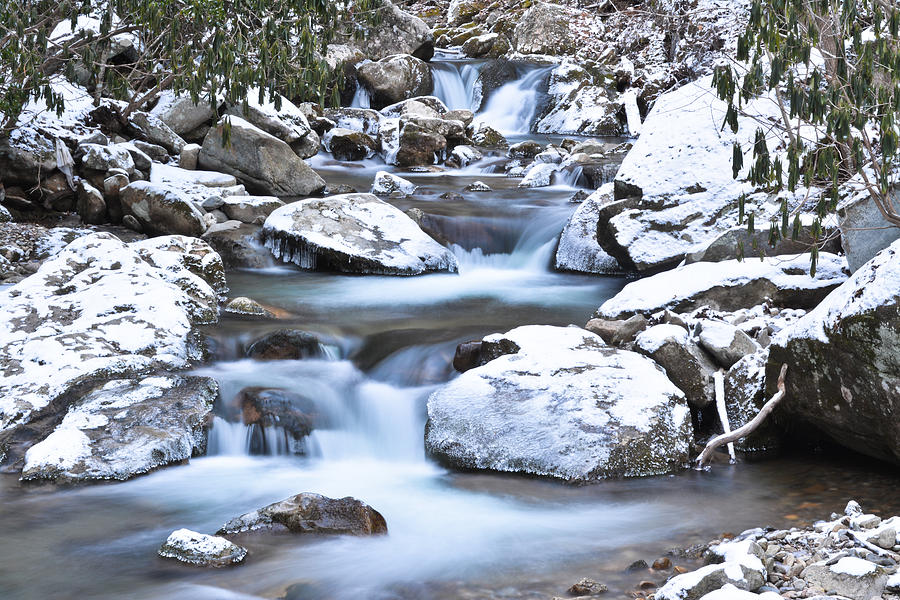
[[104, 158], [726, 343], [263, 163], [100, 309], [353, 233], [311, 513], [181, 114], [177, 176], [843, 364], [675, 188], [730, 285], [396, 32], [538, 175], [547, 28], [578, 249], [559, 402], [742, 568], [850, 576], [346, 144], [365, 120], [250, 209], [155, 131], [388, 184], [395, 78], [686, 365], [125, 427], [287, 123], [577, 105], [162, 209], [201, 550]]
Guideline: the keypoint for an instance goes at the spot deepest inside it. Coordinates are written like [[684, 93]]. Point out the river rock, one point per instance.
[[728, 244], [864, 231], [464, 155], [842, 361], [134, 306], [395, 78], [853, 577], [238, 244], [729, 285], [181, 114], [201, 550], [287, 123], [488, 137], [345, 144], [745, 389], [618, 332], [578, 249], [538, 175], [686, 365], [162, 209], [353, 233], [90, 206], [396, 32], [285, 344], [579, 104], [265, 164], [433, 108], [726, 343], [675, 190], [742, 568], [560, 403], [366, 120], [546, 29], [311, 513], [125, 427], [104, 158], [180, 176], [155, 131], [388, 184], [419, 147], [481, 45], [270, 408], [247, 307], [250, 209]]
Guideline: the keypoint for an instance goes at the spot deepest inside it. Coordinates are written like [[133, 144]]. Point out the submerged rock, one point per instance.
[[729, 285], [311, 513], [558, 402], [843, 365], [353, 233], [201, 550], [578, 249], [285, 344], [271, 408], [264, 163], [125, 427], [247, 307]]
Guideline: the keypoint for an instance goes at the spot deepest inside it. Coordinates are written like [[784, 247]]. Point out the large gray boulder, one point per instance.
[[864, 231], [311, 513], [134, 307], [729, 285], [578, 249], [558, 402], [265, 164], [547, 28], [686, 365], [125, 427], [157, 132], [843, 365], [162, 209], [181, 114], [287, 123], [395, 78], [397, 32], [353, 233]]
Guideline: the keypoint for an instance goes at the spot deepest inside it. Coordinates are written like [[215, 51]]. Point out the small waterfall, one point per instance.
[[457, 84], [362, 98], [569, 176], [511, 108], [228, 438]]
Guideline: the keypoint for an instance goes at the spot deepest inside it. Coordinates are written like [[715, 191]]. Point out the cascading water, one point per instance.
[[457, 85], [511, 108], [362, 98]]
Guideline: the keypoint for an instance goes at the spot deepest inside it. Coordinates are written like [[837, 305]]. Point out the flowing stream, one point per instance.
[[387, 343]]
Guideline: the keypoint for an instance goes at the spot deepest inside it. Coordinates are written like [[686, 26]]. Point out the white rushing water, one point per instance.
[[511, 108], [457, 85]]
